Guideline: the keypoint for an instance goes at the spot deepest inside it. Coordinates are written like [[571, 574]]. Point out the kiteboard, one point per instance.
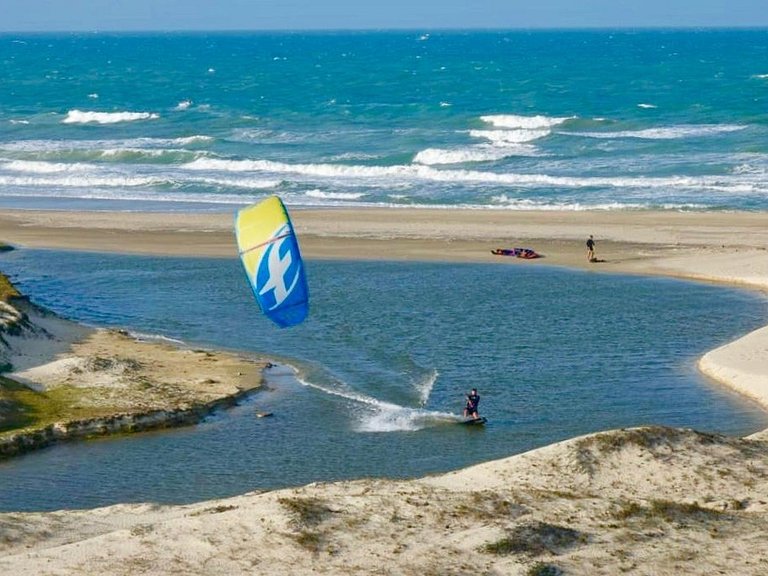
[[474, 421]]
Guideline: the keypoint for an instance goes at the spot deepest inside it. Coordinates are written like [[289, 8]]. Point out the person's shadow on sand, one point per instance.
[[597, 260]]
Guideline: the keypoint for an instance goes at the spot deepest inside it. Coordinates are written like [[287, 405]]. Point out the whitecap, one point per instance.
[[83, 117], [245, 183], [391, 176], [59, 145], [37, 167], [438, 156], [510, 136], [525, 122], [82, 180], [353, 156], [526, 204], [334, 195], [647, 106], [665, 133], [183, 105]]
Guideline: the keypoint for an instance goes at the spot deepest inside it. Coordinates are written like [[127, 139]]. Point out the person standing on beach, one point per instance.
[[590, 249]]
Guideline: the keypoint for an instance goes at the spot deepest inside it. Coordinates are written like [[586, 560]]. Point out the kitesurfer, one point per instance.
[[470, 410]]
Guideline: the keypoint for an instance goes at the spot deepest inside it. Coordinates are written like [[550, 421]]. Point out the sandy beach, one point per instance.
[[648, 501]]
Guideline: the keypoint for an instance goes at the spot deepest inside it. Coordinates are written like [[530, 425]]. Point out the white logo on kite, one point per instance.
[[278, 268]]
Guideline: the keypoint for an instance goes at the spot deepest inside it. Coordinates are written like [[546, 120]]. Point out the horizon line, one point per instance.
[[621, 28]]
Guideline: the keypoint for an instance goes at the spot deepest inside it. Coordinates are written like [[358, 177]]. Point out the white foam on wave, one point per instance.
[[506, 137], [151, 152], [353, 156], [183, 105], [246, 183], [502, 143], [84, 117], [391, 176], [760, 76], [131, 143], [188, 140], [523, 204], [647, 106], [524, 122], [666, 133], [37, 167], [124, 194], [261, 135], [438, 156], [750, 169], [20, 122], [334, 195], [82, 180]]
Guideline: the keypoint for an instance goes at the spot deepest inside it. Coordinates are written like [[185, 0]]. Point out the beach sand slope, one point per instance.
[[637, 501]]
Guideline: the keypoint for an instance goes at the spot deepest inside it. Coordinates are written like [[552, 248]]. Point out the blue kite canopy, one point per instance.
[[270, 255]]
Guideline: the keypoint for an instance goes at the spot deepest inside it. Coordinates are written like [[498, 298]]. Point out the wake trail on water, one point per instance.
[[381, 416]]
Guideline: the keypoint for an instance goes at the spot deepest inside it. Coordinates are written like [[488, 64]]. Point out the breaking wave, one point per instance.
[[82, 117], [392, 175], [436, 156], [334, 195], [666, 133], [524, 122], [129, 143]]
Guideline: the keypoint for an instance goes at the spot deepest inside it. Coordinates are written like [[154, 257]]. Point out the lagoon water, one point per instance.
[[371, 384]]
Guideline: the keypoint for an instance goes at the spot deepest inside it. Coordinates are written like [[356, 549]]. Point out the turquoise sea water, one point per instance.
[[508, 120], [381, 368]]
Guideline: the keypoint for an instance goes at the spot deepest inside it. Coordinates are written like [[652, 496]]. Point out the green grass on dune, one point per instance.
[[7, 290], [23, 408]]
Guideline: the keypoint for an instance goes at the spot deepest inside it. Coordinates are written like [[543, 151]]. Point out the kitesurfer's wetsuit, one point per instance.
[[472, 401]]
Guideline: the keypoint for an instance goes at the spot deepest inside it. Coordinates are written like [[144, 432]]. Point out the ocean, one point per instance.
[[573, 120], [372, 383]]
